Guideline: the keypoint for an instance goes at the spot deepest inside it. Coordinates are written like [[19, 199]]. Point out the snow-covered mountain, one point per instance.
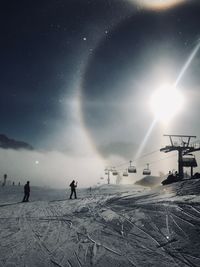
[[149, 181]]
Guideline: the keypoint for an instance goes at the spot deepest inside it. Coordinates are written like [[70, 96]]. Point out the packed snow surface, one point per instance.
[[106, 226]]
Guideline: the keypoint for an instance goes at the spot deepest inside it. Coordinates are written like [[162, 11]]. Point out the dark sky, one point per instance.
[[110, 53], [42, 50]]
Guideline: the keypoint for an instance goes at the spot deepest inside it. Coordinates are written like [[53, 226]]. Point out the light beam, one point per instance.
[[139, 152], [187, 64]]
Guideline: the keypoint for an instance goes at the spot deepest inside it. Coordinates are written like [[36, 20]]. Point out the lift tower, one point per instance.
[[107, 172], [181, 143]]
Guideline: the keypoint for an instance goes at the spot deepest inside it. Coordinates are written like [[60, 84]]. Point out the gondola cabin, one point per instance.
[[131, 169], [147, 171], [189, 161], [125, 173]]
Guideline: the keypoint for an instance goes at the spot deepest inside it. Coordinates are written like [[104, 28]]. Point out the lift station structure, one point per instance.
[[183, 145]]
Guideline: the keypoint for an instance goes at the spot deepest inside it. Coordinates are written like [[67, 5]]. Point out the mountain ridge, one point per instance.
[[6, 143]]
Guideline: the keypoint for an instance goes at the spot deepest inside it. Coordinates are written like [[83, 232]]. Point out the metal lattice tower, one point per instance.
[[183, 147]]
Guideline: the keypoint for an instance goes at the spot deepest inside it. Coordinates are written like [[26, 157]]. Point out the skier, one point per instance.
[[4, 180], [73, 186], [26, 192]]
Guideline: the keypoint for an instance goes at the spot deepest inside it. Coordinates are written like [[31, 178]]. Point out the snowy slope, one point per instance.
[[111, 226]]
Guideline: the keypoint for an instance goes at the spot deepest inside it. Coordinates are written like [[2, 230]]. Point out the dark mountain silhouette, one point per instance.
[[7, 143], [150, 181]]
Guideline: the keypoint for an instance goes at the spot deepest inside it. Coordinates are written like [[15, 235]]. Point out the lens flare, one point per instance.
[[157, 4]]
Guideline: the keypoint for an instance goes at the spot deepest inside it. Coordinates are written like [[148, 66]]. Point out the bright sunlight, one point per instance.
[[166, 102]]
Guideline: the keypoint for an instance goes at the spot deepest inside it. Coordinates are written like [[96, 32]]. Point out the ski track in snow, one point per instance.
[[111, 227]]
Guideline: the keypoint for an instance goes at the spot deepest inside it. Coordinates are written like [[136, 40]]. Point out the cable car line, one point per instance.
[[142, 166], [143, 156]]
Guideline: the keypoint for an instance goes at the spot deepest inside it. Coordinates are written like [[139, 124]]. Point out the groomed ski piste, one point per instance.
[[110, 226]]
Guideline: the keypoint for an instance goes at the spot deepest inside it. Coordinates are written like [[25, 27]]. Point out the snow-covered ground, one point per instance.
[[109, 226]]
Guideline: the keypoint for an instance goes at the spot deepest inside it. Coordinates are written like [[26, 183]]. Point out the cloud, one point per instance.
[[123, 149], [54, 169]]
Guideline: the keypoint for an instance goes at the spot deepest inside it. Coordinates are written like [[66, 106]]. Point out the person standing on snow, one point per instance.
[[26, 192], [4, 179], [73, 186]]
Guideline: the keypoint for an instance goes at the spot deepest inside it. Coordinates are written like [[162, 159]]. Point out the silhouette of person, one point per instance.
[[26, 192], [4, 180], [176, 175], [73, 186]]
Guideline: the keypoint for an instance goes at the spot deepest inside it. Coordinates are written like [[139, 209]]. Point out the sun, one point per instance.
[[166, 102]]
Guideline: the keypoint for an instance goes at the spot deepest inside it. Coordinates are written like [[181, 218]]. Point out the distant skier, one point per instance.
[[73, 186], [4, 179], [90, 190], [26, 192]]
